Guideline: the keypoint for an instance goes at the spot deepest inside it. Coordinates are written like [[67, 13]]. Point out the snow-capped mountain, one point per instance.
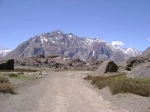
[[128, 51], [69, 45], [4, 51], [132, 51]]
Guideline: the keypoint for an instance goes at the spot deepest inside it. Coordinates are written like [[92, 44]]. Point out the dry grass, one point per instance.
[[5, 86], [19, 70], [122, 84]]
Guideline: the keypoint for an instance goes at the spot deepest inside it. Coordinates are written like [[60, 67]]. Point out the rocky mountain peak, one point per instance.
[[69, 45]]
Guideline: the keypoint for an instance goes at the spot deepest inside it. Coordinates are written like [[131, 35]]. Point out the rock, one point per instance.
[[59, 66], [140, 71], [2, 65], [44, 61], [123, 66], [39, 56], [7, 64], [134, 61], [76, 60], [57, 62], [92, 61], [105, 67]]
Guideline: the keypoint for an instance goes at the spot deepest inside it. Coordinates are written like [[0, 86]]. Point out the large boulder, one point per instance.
[[122, 66], [92, 61], [7, 64], [93, 64], [105, 67], [134, 61], [142, 70]]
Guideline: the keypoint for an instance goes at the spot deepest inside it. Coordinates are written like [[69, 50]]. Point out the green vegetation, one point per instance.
[[20, 76], [5, 86], [12, 75], [19, 70], [23, 77], [122, 84]]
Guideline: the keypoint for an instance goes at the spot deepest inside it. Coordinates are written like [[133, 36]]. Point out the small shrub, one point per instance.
[[3, 79], [89, 77], [5, 86], [23, 77], [20, 73], [13, 75]]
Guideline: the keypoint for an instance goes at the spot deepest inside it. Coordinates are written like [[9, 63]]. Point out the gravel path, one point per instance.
[[59, 92]]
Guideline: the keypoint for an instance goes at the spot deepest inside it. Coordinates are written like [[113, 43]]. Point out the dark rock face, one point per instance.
[[68, 45], [7, 64], [107, 66]]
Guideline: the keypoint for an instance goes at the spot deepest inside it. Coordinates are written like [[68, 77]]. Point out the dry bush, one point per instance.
[[5, 86]]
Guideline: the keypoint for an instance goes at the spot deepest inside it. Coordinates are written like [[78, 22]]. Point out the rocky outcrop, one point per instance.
[[139, 66], [134, 61], [7, 64], [56, 62], [105, 67], [140, 71], [94, 64]]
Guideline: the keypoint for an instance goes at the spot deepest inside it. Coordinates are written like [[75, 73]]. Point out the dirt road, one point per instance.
[[58, 92]]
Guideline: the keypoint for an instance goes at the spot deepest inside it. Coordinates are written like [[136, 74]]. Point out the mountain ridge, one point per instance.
[[69, 45]]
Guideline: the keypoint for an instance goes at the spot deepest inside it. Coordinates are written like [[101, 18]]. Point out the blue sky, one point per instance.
[[127, 21]]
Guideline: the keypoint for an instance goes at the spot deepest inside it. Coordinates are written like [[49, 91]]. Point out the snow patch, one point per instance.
[[52, 40], [45, 39], [93, 53], [4, 51], [70, 36], [132, 51], [33, 40], [89, 41]]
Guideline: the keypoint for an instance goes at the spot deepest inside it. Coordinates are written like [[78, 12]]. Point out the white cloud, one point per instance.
[[117, 43], [148, 39]]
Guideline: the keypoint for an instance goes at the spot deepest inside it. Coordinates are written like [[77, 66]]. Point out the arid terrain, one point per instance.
[[66, 91]]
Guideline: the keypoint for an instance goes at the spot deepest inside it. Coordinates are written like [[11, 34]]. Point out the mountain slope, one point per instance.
[[146, 53], [4, 51], [68, 45]]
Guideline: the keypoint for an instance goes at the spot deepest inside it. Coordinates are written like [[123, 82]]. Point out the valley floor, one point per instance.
[[67, 92]]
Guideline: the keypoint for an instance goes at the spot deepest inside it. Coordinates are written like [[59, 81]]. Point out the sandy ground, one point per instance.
[[68, 92]]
